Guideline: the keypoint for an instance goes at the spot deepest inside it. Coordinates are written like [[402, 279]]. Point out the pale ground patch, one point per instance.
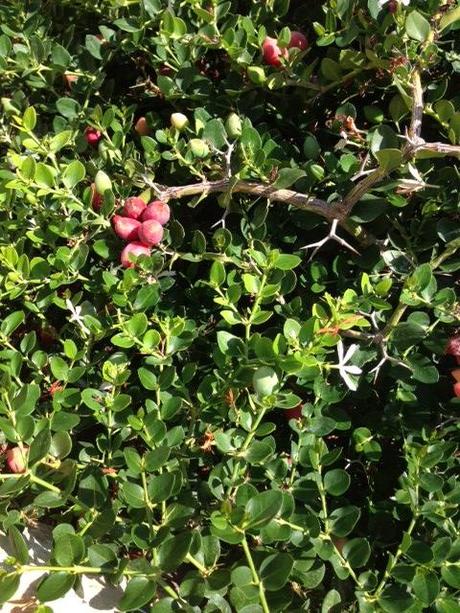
[[94, 594]]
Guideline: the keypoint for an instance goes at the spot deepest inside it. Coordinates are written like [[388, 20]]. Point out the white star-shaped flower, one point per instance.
[[76, 316], [347, 370]]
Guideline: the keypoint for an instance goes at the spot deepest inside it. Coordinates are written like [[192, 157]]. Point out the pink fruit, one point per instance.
[[96, 199], [92, 136], [294, 413], [151, 232], [272, 52], [16, 459], [133, 250], [142, 127], [126, 228], [157, 210], [453, 346], [298, 40], [133, 207], [456, 374], [457, 389]]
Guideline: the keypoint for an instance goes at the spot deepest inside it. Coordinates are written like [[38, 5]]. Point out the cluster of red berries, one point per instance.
[[141, 225], [453, 349], [272, 53]]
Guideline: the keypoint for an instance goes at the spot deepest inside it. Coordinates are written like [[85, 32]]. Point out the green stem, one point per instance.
[[45, 484], [255, 307], [393, 562], [245, 445], [255, 576], [95, 570], [327, 534], [322, 494], [203, 570], [344, 562], [394, 319], [56, 490], [449, 250]]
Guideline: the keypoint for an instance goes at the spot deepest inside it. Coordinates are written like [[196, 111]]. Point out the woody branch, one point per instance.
[[337, 212]]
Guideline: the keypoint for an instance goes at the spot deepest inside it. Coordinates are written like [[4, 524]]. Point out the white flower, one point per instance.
[[76, 316], [344, 370]]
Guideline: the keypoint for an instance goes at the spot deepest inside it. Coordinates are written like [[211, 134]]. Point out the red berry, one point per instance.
[[142, 127], [133, 207], [157, 210], [272, 52], [151, 232], [453, 346], [298, 40], [96, 199], [294, 413], [92, 136], [164, 70], [16, 459], [126, 228], [457, 389], [135, 250]]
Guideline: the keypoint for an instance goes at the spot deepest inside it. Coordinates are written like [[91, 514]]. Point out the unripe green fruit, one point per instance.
[[179, 121], [199, 148], [256, 74], [311, 148], [233, 126], [264, 381], [102, 182]]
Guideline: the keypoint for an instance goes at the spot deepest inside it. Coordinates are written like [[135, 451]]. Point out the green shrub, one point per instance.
[[314, 234]]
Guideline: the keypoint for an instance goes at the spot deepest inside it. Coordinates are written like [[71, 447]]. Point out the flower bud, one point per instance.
[[199, 148], [142, 127], [179, 121], [233, 126], [102, 182], [256, 74], [264, 381]]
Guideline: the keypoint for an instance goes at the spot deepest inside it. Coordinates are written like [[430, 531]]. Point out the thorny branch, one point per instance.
[[337, 212]]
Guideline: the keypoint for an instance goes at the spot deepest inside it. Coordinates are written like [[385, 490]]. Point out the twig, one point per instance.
[[444, 148], [301, 201], [336, 212], [358, 191], [414, 143], [331, 236], [415, 128]]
